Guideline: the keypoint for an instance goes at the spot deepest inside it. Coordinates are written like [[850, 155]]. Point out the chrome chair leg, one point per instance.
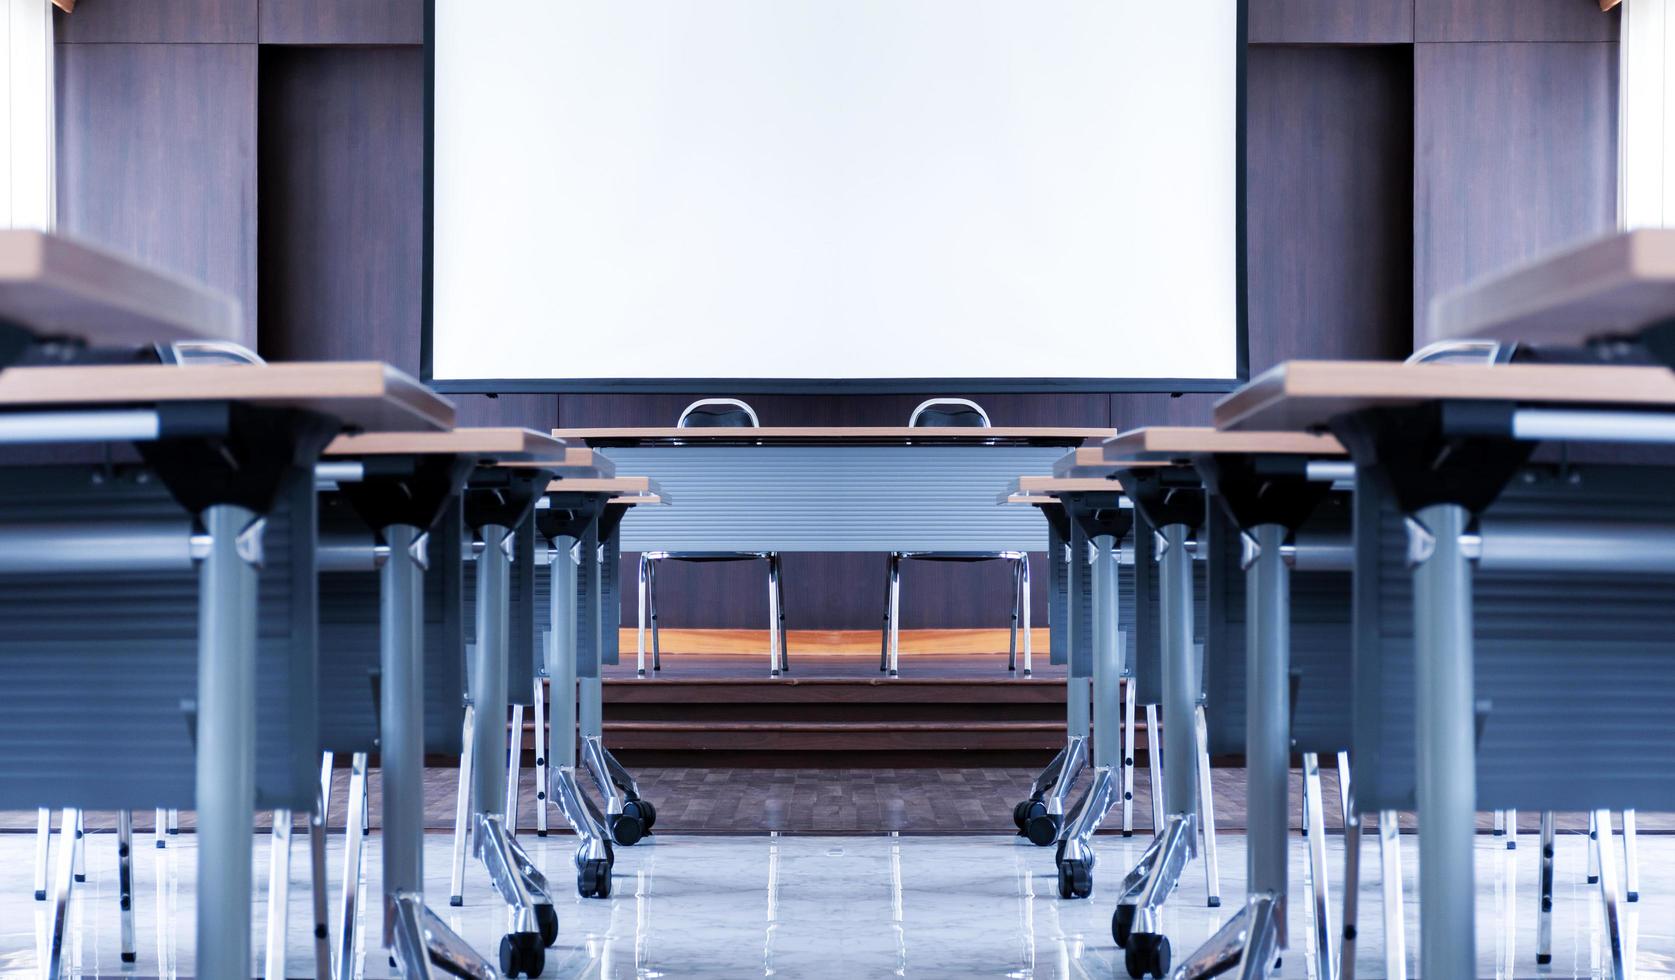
[[125, 883], [43, 842], [462, 814], [279, 894], [1154, 761], [1609, 884], [1017, 602], [540, 756], [63, 882], [80, 844], [644, 582], [1631, 857], [514, 759], [1324, 945], [1351, 891], [656, 631], [1544, 906], [1390, 875], [773, 619], [1128, 757], [1593, 851], [1207, 812], [353, 861], [1024, 604], [1345, 806], [895, 615], [321, 887]]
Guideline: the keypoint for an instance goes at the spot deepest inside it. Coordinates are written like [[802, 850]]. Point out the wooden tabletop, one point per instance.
[[490, 443], [625, 489], [364, 395], [1178, 444], [1609, 287], [59, 287], [1306, 395], [1035, 489], [578, 460], [858, 435]]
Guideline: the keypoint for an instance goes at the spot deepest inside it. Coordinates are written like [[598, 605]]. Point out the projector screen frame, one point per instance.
[[839, 386]]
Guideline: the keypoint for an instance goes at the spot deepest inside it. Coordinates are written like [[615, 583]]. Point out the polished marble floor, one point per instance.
[[843, 907]]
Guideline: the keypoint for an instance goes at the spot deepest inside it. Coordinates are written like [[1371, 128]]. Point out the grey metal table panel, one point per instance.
[[522, 635], [94, 669], [349, 641], [1578, 671], [1321, 638], [834, 498]]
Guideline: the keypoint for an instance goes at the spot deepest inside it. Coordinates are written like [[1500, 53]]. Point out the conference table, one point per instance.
[[110, 573], [1495, 592], [833, 489], [1266, 493]]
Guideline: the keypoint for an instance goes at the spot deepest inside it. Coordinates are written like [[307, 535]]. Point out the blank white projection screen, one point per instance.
[[866, 190]]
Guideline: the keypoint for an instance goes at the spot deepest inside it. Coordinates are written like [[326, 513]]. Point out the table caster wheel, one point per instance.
[[1122, 923], [521, 954], [594, 880], [626, 829], [546, 917], [644, 810], [1075, 879], [1042, 829], [610, 856], [1021, 812], [1147, 955], [1058, 855]]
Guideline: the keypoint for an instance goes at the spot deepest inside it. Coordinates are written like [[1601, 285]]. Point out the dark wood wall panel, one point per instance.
[[159, 21], [343, 21], [1330, 21], [342, 201], [157, 156], [1329, 202], [1516, 154], [1513, 20]]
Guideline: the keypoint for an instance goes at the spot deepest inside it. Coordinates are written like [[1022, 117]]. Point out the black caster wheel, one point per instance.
[[594, 880], [626, 829], [643, 809], [522, 955], [1042, 829], [546, 917], [1122, 923], [1075, 879], [610, 856], [1021, 812], [1147, 955]]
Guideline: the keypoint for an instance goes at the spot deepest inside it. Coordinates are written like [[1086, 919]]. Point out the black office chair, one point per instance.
[[714, 413], [953, 413]]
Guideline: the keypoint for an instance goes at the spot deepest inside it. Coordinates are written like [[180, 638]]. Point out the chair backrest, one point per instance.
[[197, 352], [1464, 352], [948, 413], [718, 413]]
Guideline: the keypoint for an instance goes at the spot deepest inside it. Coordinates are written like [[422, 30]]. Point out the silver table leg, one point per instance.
[[1445, 735], [1207, 811], [644, 582], [561, 657], [279, 894], [1257, 933], [1149, 885], [226, 753], [1325, 947], [159, 826], [1154, 765], [1544, 907], [1107, 655], [1351, 891], [1631, 857], [895, 615], [1024, 604], [1128, 755], [317, 873], [514, 765]]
